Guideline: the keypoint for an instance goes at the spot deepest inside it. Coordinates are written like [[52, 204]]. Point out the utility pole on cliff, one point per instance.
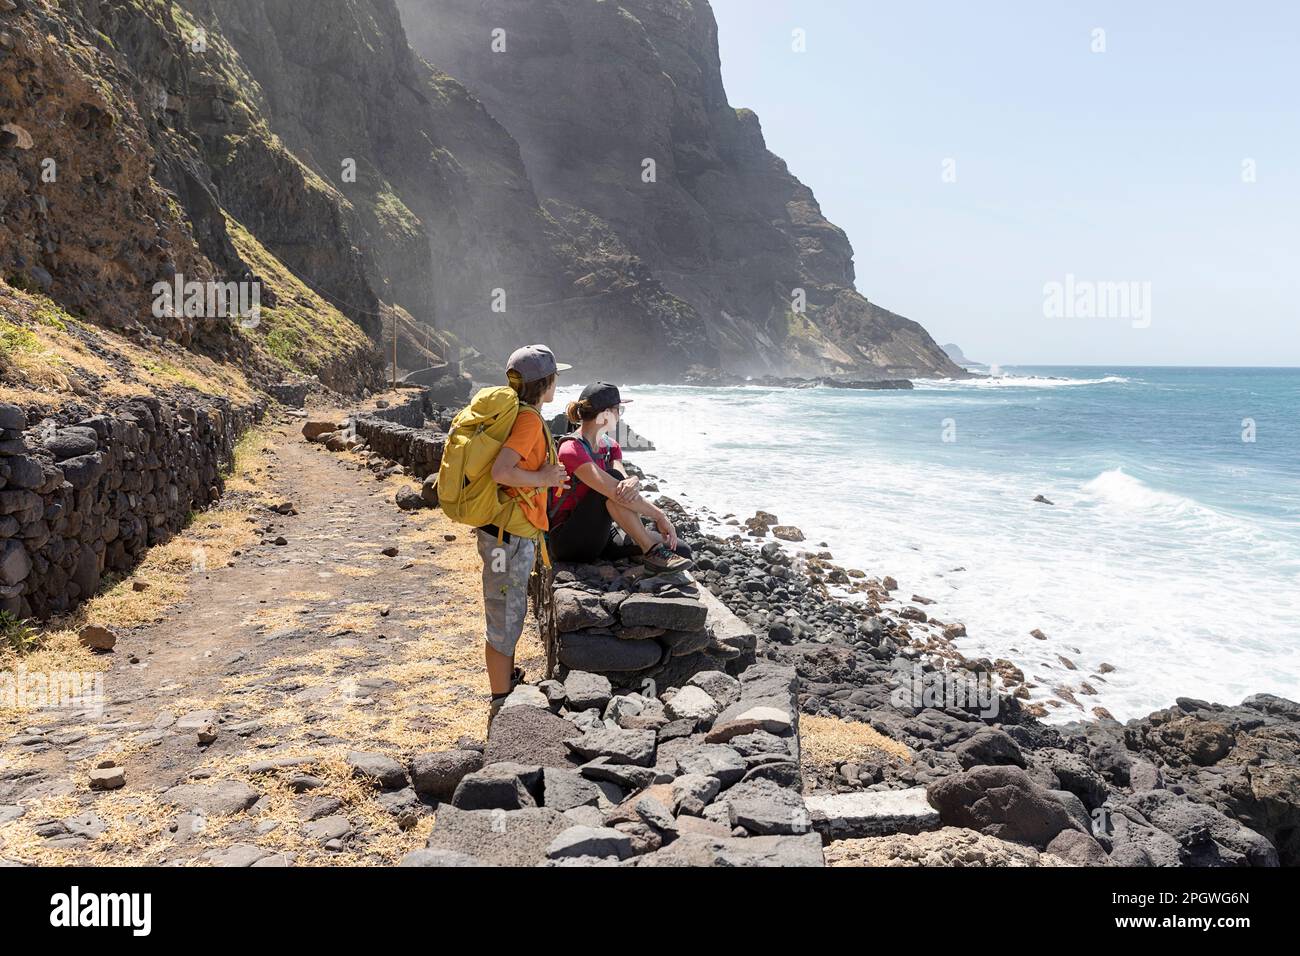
[[394, 348]]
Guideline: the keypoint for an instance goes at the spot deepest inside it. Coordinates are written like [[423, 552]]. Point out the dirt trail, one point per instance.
[[310, 648]]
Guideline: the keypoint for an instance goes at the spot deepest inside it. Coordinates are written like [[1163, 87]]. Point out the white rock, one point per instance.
[[772, 719], [871, 813], [526, 695], [692, 703]]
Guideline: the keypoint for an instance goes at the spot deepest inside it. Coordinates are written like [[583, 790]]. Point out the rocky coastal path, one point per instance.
[[324, 641]]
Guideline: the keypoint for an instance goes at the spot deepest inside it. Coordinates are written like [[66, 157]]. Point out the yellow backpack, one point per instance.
[[466, 492]]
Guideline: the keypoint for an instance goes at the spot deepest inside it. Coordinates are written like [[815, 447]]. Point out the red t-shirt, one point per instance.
[[573, 455]]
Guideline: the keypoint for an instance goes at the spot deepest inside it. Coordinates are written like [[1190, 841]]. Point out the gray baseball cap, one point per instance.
[[534, 363]]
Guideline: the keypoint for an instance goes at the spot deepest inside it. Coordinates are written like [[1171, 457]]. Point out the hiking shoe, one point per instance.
[[661, 560], [494, 708]]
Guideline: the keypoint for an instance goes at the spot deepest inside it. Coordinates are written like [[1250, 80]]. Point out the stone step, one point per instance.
[[871, 813]]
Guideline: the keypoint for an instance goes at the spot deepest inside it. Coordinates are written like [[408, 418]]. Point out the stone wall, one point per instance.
[[87, 496], [615, 620], [410, 409], [665, 743]]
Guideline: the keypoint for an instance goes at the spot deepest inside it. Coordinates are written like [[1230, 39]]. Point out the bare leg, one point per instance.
[[630, 522], [499, 668]]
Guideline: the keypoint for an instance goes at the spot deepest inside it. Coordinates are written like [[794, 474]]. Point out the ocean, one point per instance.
[[1171, 550]]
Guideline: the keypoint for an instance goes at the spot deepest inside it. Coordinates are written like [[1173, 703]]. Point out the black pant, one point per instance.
[[588, 533]]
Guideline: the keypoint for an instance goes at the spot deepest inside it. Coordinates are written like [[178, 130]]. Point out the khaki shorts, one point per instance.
[[506, 568]]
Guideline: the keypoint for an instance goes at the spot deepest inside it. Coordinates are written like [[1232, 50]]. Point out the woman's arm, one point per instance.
[[506, 471], [597, 479]]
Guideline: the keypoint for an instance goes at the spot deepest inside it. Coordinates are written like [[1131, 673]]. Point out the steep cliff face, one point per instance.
[[307, 148], [593, 91], [436, 193], [138, 156]]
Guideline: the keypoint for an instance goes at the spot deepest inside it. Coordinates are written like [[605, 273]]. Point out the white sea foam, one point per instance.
[[1017, 381]]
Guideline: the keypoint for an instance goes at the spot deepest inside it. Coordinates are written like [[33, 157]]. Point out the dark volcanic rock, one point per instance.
[[503, 838], [1001, 802], [530, 735], [436, 775], [602, 652]]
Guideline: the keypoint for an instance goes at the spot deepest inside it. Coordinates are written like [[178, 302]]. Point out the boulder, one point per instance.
[[12, 418], [214, 798], [236, 855], [672, 613], [989, 747], [577, 610], [584, 841], [635, 747], [583, 690], [436, 775], [684, 643], [1078, 849], [692, 792], [692, 703], [531, 735], [1001, 802], [1074, 775], [526, 695], [714, 760], [409, 498], [1206, 837], [602, 652], [626, 776], [503, 838], [15, 563], [97, 637], [1135, 842], [499, 786], [764, 808], [378, 768], [565, 789], [317, 428], [722, 687], [108, 778], [72, 442], [739, 721]]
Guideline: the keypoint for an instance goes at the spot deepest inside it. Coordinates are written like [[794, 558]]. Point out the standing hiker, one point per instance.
[[525, 467], [506, 503], [604, 496]]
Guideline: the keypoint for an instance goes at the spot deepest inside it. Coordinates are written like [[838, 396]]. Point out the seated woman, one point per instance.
[[583, 519]]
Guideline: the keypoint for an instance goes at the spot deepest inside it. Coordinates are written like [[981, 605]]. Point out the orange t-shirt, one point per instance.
[[530, 440]]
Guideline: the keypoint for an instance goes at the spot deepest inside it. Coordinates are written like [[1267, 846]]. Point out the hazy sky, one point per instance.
[[1119, 166]]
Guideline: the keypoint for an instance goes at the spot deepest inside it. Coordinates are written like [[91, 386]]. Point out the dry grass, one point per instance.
[[47, 354], [310, 703], [826, 741]]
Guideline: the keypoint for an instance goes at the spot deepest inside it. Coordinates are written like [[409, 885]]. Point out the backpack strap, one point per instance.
[[529, 494], [553, 501]]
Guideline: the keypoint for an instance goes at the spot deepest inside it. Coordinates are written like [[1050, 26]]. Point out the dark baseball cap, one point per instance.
[[534, 363], [602, 395]]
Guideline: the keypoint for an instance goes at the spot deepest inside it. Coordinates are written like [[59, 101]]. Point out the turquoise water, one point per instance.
[[1172, 551]]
